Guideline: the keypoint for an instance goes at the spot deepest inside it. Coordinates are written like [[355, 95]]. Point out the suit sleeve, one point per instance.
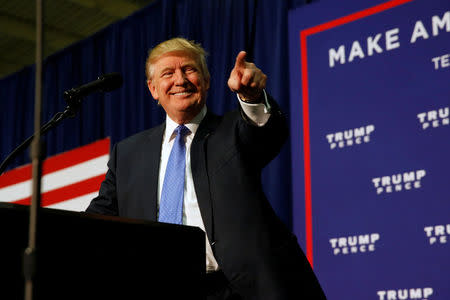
[[262, 144], [106, 201]]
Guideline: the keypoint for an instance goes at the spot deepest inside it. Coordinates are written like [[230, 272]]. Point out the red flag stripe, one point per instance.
[[67, 192], [57, 162]]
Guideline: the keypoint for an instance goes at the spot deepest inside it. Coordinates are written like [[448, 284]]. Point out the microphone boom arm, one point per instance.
[[104, 83], [70, 111]]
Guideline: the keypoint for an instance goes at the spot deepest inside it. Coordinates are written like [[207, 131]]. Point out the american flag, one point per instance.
[[69, 180]]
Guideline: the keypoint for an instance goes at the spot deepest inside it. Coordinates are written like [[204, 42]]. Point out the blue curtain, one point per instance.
[[222, 27]]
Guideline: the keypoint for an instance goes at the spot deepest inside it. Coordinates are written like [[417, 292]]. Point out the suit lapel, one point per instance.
[[200, 173], [198, 167], [151, 167]]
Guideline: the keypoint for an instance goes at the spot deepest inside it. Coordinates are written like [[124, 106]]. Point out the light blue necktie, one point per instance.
[[171, 203]]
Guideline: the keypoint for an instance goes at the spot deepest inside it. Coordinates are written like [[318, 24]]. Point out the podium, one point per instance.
[[85, 256]]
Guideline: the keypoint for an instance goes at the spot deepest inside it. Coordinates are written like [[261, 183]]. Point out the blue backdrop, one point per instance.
[[371, 79]]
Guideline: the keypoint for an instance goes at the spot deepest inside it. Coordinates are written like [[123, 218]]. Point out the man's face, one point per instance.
[[179, 85]]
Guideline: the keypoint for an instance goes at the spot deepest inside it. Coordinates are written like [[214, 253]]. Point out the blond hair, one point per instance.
[[177, 44]]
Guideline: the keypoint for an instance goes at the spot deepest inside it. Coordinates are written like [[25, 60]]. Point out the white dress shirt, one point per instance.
[[257, 113]]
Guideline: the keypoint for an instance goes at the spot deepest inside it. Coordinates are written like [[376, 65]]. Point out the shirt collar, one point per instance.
[[192, 125]]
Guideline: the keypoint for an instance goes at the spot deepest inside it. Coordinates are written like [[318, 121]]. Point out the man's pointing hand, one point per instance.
[[246, 79]]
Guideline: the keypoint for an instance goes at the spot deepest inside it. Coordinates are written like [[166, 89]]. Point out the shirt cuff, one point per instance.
[[257, 113]]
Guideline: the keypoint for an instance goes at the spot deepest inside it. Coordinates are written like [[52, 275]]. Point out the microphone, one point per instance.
[[104, 83]]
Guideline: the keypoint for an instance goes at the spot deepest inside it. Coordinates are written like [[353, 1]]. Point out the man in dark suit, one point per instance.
[[250, 254]]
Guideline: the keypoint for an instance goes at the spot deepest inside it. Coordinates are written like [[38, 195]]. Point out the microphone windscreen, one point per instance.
[[110, 81]]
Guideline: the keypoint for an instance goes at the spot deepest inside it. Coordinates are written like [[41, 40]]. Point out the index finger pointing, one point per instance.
[[240, 60]]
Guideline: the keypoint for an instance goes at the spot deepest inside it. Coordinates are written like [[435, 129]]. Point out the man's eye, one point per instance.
[[190, 69], [167, 74]]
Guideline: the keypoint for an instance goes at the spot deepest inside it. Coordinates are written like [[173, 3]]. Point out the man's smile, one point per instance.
[[181, 93]]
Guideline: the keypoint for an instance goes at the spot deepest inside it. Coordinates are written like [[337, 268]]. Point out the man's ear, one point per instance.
[[152, 89]]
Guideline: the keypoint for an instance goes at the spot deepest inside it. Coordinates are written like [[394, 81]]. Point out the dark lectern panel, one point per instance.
[[83, 256]]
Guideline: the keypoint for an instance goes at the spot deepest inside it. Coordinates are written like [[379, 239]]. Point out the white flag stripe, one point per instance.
[[75, 204], [54, 180]]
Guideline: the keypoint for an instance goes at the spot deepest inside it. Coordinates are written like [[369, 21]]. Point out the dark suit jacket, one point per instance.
[[255, 250]]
